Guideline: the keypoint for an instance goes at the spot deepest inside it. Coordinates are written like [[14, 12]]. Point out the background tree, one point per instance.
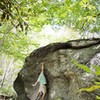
[[79, 14]]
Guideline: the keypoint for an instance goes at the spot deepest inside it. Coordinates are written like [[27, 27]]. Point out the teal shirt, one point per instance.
[[42, 78]]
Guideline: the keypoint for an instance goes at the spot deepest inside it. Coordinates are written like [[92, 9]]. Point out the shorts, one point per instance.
[[42, 88]]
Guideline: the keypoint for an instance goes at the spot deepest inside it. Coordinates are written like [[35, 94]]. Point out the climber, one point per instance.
[[42, 81]]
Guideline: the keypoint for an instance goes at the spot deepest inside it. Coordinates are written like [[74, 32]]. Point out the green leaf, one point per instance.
[[85, 1], [90, 89], [44, 12], [97, 83], [1, 71], [97, 70], [97, 97], [82, 66]]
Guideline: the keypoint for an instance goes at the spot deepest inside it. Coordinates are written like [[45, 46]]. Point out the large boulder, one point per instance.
[[63, 77]]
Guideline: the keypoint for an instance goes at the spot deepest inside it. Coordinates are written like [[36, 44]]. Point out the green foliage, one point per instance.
[[15, 44], [1, 72], [58, 99], [88, 70], [25, 16], [7, 91], [90, 89], [97, 97], [82, 66], [97, 70], [33, 14], [8, 72], [98, 83]]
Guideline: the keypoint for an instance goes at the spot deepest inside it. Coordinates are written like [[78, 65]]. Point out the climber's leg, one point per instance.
[[43, 96], [37, 96], [44, 92]]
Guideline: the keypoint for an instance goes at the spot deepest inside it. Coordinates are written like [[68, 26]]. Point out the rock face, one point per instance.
[[63, 77]]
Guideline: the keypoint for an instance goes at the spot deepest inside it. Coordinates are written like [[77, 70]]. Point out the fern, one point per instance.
[[97, 97], [82, 66], [88, 70], [97, 70], [90, 89], [97, 83]]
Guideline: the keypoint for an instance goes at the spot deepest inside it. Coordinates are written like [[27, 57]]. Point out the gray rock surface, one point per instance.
[[63, 77]]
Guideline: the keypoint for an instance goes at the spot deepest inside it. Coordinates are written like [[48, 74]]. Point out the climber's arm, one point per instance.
[[42, 70], [42, 67], [35, 83]]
